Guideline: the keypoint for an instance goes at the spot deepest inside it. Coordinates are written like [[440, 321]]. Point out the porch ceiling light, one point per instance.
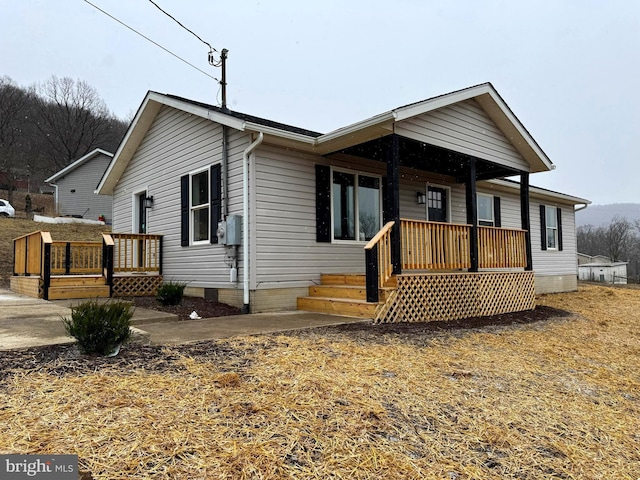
[[148, 202], [422, 198]]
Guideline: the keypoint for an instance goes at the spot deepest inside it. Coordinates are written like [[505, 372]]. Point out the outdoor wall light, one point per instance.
[[422, 198], [148, 202]]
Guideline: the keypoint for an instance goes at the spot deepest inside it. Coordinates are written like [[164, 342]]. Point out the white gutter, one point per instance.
[[245, 217]]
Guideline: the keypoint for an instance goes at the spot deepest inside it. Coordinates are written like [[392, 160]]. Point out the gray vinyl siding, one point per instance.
[[177, 144], [83, 180], [287, 254], [466, 128], [555, 270]]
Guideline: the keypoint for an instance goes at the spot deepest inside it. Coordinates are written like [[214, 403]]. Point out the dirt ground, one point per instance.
[[204, 308], [552, 393]]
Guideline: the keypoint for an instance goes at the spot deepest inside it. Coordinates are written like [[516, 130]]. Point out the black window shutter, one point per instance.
[[497, 217], [559, 211], [323, 203], [543, 228], [215, 207], [184, 210]]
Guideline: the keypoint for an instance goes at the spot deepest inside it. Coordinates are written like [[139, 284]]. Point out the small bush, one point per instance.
[[99, 328], [171, 293]]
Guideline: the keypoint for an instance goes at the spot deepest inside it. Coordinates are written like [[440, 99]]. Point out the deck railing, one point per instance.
[[136, 252], [501, 248], [434, 245], [76, 258], [379, 266]]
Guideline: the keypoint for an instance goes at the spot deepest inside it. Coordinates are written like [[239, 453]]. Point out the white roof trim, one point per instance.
[[540, 192], [76, 164]]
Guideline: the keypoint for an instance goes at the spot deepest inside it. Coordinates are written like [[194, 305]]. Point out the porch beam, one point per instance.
[[392, 200], [525, 216], [472, 214]]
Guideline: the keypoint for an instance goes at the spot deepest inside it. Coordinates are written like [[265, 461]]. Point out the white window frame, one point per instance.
[[492, 221], [202, 206], [444, 187], [547, 227], [356, 213]]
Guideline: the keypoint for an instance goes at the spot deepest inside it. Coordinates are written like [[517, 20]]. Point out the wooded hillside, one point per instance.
[[47, 126]]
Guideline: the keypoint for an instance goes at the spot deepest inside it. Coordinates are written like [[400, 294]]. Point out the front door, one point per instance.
[[437, 204], [141, 228]]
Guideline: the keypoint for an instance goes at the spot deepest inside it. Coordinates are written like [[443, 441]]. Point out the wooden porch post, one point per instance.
[[392, 200], [524, 213], [472, 214]]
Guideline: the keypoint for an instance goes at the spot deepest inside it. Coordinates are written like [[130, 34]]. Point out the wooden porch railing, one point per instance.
[[378, 261], [501, 248], [35, 254], [76, 258], [434, 245], [135, 252]]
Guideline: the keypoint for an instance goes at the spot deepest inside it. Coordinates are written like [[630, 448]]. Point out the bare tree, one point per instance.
[[13, 101], [618, 235], [73, 120]]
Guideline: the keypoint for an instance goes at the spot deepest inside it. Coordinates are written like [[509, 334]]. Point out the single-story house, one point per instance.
[[605, 272], [75, 187], [406, 215]]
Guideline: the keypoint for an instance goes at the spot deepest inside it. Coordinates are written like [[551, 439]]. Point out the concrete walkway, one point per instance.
[[29, 322]]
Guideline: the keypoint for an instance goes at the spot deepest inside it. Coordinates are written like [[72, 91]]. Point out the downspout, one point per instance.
[[580, 208], [225, 161], [245, 217]]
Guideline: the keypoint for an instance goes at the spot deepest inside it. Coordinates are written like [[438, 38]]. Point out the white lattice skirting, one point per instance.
[[452, 296]]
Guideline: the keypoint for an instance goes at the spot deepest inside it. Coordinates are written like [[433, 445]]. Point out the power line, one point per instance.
[[148, 39], [178, 22]]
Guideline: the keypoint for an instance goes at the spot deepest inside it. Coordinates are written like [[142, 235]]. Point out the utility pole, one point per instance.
[[223, 82]]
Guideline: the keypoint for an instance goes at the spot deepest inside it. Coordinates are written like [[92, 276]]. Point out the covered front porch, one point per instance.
[[443, 268]]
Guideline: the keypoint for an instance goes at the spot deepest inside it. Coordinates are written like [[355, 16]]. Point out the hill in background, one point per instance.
[[601, 215]]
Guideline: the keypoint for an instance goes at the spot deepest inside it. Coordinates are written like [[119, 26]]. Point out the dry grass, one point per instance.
[[559, 399], [40, 202], [11, 228]]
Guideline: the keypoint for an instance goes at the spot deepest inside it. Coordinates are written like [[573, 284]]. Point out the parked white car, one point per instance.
[[6, 210]]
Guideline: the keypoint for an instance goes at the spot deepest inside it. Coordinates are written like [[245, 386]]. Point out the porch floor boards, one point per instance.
[[341, 294]]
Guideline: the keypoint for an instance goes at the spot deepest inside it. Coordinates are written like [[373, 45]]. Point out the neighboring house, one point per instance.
[[610, 272], [463, 240], [583, 258], [75, 186]]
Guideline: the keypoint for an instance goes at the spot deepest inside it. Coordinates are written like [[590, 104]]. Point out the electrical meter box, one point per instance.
[[230, 231]]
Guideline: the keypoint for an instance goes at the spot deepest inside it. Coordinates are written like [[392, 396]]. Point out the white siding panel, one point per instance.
[[176, 144], [466, 128], [554, 262]]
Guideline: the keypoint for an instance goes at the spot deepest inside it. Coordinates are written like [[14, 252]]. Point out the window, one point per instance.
[[200, 207], [485, 210], [551, 228], [437, 204], [200, 210], [355, 196]]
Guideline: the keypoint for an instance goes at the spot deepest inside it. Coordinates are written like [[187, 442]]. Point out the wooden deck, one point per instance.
[[124, 265]]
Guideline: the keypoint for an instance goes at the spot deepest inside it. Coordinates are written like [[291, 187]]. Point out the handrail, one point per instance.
[[376, 238], [379, 267]]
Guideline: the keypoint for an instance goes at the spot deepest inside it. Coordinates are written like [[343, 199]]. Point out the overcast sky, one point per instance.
[[568, 69]]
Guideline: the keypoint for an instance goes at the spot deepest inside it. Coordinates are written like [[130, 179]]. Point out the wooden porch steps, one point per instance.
[[78, 286], [341, 294]]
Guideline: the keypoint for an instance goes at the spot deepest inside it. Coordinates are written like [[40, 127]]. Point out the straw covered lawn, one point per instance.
[[553, 399]]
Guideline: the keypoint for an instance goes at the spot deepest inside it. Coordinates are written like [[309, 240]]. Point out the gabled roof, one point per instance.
[[81, 161], [511, 185], [323, 144]]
